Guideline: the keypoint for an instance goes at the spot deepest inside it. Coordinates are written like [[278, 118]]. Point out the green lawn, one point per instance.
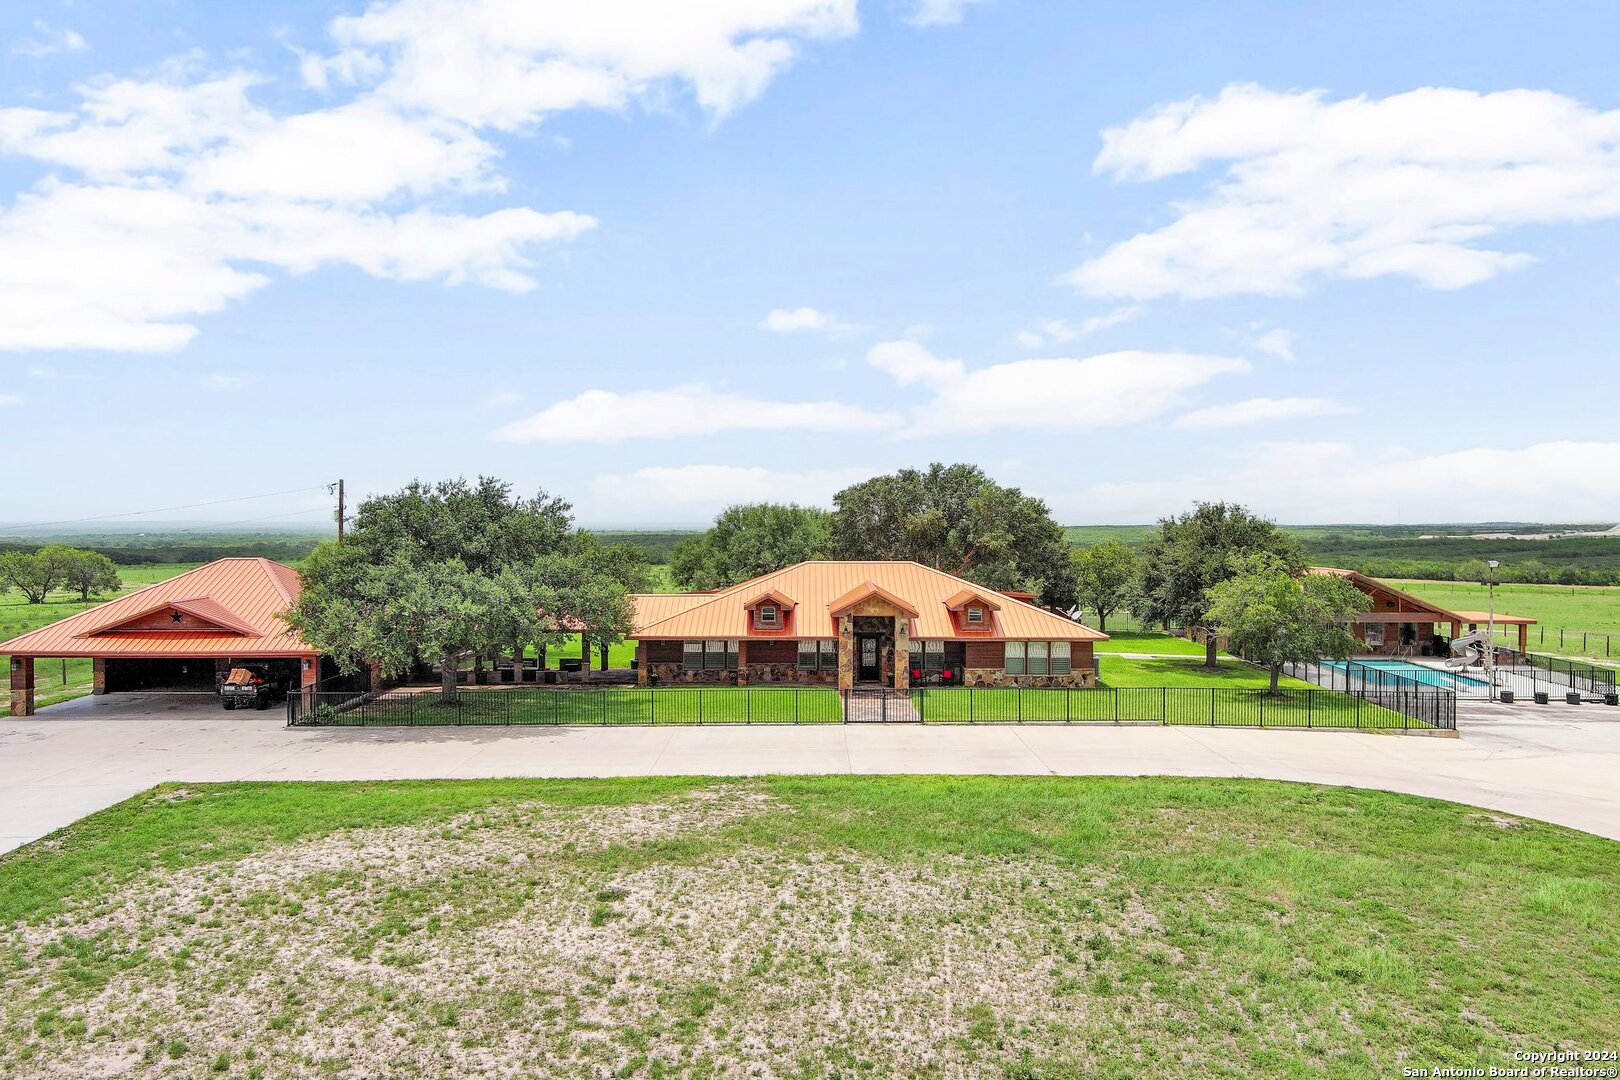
[[614, 705], [60, 680], [1147, 641], [1229, 674], [1591, 608], [871, 926]]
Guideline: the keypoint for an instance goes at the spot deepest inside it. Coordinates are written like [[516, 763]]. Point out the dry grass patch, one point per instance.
[[801, 928]]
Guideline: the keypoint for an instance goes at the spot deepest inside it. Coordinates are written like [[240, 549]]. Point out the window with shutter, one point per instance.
[[1015, 658]]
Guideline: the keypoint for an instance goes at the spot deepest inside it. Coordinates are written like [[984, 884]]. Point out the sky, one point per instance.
[[1342, 263]]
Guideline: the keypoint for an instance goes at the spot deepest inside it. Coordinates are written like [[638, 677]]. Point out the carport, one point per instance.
[[181, 635]]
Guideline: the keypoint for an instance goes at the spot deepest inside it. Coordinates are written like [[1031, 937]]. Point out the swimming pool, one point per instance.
[[1428, 676]]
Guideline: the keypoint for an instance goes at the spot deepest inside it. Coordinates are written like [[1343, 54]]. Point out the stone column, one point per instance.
[[846, 652], [742, 662], [643, 676], [22, 686], [902, 652], [98, 676], [584, 658]]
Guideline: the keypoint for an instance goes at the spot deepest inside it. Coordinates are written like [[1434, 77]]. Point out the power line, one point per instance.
[[243, 521], [169, 509]]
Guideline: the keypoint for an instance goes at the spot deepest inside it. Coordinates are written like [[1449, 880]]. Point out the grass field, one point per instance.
[[1591, 608], [867, 926], [1147, 641], [60, 680]]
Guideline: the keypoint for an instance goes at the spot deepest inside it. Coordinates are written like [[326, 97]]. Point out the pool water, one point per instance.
[[1428, 676]]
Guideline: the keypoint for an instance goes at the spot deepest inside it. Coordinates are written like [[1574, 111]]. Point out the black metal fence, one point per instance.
[[1573, 674], [1353, 677], [1550, 675], [1398, 710], [618, 705], [1193, 706]]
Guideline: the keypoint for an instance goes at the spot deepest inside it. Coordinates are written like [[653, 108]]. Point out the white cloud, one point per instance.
[[1275, 341], [122, 267], [703, 490], [1061, 331], [910, 362], [51, 41], [508, 63], [1410, 184], [1058, 394], [1340, 482], [10, 399], [786, 321], [176, 193], [939, 12], [607, 416], [802, 319], [1260, 410]]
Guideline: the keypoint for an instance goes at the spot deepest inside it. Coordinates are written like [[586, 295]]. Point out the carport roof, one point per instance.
[[228, 608]]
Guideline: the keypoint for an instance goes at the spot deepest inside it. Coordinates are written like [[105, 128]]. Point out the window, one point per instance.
[[1375, 633], [1039, 658], [709, 655], [928, 657], [1060, 658], [818, 656], [767, 615], [1035, 662], [975, 615]]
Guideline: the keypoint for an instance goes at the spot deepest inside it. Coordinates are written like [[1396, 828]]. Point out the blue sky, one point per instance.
[[1342, 265]]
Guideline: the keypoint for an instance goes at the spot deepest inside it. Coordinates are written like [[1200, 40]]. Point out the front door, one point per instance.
[[866, 658]]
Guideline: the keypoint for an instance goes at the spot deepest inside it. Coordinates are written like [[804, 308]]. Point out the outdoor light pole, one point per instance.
[[1490, 644]]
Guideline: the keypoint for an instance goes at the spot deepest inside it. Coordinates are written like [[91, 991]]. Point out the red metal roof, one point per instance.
[[229, 608], [822, 588]]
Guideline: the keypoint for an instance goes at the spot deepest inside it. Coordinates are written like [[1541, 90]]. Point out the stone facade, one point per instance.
[[769, 674], [98, 676], [989, 677], [22, 686], [680, 675]]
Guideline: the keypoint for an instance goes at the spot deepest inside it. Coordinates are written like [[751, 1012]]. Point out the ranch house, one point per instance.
[[859, 624]]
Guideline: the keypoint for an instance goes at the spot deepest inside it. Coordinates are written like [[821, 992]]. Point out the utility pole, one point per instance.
[[339, 509]]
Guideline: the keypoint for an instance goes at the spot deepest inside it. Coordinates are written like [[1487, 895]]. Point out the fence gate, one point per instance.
[[879, 707]]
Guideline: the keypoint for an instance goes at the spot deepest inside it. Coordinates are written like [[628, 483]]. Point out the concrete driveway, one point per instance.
[[1557, 763]]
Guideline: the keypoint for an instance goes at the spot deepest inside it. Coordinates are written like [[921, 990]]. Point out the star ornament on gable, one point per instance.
[[175, 616]]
